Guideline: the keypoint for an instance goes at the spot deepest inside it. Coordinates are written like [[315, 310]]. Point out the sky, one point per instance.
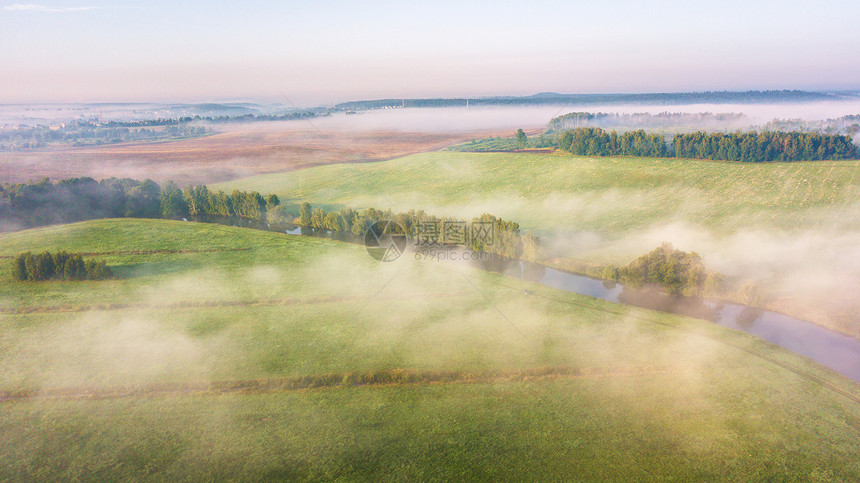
[[317, 52]]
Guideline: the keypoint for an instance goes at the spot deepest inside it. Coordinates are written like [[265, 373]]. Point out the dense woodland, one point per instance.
[[593, 141], [739, 146], [764, 146]]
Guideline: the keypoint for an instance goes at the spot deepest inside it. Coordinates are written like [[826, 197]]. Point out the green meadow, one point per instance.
[[791, 229], [120, 379], [613, 196]]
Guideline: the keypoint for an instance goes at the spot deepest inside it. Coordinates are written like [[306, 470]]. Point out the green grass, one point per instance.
[[793, 229], [709, 403], [612, 196]]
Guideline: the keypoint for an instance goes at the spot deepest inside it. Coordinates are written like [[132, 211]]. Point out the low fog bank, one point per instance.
[[430, 119], [806, 262], [465, 119], [419, 315], [808, 273]]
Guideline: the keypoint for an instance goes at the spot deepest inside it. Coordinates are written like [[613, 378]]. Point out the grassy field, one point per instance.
[[793, 229], [613, 196], [120, 379]]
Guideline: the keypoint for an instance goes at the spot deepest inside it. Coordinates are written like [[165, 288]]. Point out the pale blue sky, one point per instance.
[[322, 51]]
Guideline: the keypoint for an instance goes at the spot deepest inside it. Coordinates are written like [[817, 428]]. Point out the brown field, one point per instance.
[[244, 150]]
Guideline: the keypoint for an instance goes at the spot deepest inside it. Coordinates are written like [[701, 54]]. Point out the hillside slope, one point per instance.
[[248, 354]]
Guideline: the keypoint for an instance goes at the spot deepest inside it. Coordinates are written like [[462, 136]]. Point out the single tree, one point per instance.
[[521, 138]]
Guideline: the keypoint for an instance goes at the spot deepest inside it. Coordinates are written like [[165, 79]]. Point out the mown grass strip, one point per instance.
[[197, 304], [150, 252], [389, 377]]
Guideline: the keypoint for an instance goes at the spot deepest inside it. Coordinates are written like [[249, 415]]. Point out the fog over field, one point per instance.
[[436, 119], [484, 117], [429, 241]]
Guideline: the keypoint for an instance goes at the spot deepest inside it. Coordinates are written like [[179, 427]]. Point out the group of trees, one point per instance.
[[764, 146], [58, 266], [199, 200], [593, 141], [498, 236], [675, 271], [25, 205], [746, 147]]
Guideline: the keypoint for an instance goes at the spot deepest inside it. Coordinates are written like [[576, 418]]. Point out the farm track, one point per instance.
[[378, 378], [150, 252], [210, 304]]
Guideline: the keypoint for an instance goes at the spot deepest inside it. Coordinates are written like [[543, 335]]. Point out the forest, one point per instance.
[[738, 146]]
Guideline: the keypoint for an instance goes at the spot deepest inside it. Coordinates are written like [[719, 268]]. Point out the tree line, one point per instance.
[[93, 132], [738, 146], [79, 133], [661, 120], [25, 205], [593, 141], [764, 146], [194, 201], [225, 118], [709, 97], [58, 266], [499, 236]]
